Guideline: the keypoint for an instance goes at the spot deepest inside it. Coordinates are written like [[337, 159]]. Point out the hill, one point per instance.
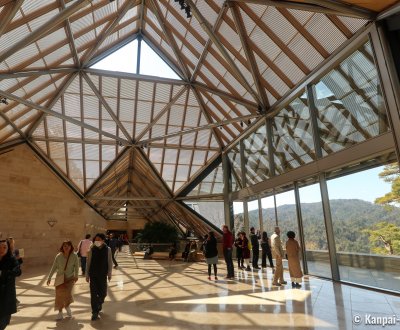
[[349, 216]]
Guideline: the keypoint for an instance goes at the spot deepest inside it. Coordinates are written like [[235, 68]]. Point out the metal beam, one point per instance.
[[312, 6], [71, 37], [374, 147], [22, 74], [108, 30], [106, 106], [171, 40], [200, 128], [235, 70], [73, 140], [111, 50], [61, 116], [133, 76], [240, 28], [45, 28], [60, 92], [126, 198], [7, 17], [249, 105]]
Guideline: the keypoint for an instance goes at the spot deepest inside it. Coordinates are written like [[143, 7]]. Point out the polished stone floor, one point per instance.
[[150, 294]]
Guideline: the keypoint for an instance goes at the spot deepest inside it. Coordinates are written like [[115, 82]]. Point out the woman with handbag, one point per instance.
[[66, 264]]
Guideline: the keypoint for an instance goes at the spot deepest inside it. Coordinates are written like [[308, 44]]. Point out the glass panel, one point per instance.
[[253, 214], [366, 223], [292, 136], [350, 103], [213, 211], [269, 219], [316, 245], [256, 155], [287, 216], [234, 157], [212, 184], [238, 216]]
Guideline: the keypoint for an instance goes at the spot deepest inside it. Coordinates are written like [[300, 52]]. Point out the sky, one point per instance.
[[150, 63]]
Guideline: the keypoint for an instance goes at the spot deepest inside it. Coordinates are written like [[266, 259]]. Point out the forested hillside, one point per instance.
[[350, 218]]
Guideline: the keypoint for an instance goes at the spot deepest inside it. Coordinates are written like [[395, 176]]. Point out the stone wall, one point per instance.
[[30, 196]]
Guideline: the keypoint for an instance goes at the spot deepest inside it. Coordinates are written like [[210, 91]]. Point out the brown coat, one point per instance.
[[293, 253]]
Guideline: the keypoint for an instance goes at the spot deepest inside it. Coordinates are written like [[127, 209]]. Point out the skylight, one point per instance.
[[125, 59]]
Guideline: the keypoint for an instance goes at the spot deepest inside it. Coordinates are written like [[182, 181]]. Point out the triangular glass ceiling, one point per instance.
[[127, 58]]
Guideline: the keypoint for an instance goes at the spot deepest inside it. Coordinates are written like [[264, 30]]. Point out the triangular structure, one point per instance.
[[137, 60]]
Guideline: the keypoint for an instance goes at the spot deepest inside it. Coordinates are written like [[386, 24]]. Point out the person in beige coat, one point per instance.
[[277, 253], [293, 253]]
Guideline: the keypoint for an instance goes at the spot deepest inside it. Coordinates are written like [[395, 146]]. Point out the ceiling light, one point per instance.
[[188, 13], [241, 123], [4, 101]]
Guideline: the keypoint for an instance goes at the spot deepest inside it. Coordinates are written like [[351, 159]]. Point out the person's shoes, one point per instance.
[[209, 278], [216, 278], [256, 267], [276, 284], [298, 285], [293, 285], [283, 282], [95, 316], [69, 312], [248, 268], [60, 316]]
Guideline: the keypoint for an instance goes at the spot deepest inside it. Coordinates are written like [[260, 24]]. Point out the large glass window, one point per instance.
[[256, 155], [213, 211], [286, 212], [316, 244], [350, 103], [366, 222], [238, 217], [292, 136], [268, 212], [253, 214], [234, 157]]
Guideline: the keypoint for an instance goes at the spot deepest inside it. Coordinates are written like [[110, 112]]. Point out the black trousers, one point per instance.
[[4, 321], [113, 257], [239, 256], [264, 255], [215, 270], [229, 262], [256, 255], [98, 292]]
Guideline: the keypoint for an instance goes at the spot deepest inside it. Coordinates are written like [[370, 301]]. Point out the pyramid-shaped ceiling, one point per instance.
[[234, 61]]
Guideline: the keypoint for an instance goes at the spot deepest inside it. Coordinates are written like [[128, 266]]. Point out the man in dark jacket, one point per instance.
[[9, 269], [227, 243], [254, 237], [98, 268], [113, 244]]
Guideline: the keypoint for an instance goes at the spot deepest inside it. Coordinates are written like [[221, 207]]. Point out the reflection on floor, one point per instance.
[[149, 294]]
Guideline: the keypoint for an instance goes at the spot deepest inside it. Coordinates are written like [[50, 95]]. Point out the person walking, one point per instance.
[[245, 250], [113, 244], [293, 256], [82, 250], [227, 243], [277, 253], [9, 270], [239, 251], [254, 237], [211, 254], [98, 269], [66, 265], [266, 252]]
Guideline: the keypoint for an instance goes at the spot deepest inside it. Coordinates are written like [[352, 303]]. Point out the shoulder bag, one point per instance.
[[60, 278]]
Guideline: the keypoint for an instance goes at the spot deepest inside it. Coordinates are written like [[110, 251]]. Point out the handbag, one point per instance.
[[60, 278]]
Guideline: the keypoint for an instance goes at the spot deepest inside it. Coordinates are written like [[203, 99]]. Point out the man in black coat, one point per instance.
[[255, 247], [9, 269]]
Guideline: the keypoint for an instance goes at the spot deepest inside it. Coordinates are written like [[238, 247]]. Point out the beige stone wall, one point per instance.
[[31, 195]]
